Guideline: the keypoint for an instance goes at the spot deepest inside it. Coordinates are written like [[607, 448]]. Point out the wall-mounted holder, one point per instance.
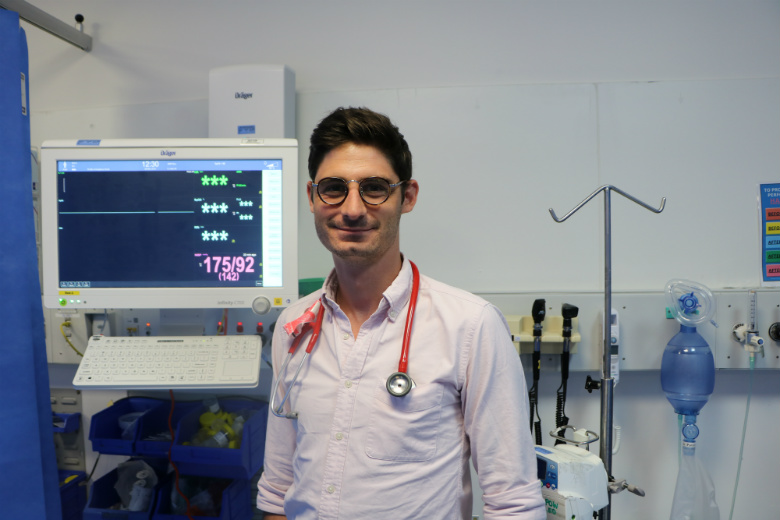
[[522, 328]]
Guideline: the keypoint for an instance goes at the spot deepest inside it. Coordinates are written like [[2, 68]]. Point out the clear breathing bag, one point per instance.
[[694, 495]]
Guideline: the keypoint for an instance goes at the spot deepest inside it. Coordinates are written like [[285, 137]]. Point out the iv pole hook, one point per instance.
[[608, 188], [607, 381]]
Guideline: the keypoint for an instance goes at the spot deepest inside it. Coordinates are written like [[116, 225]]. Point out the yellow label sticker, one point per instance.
[[277, 301], [69, 293]]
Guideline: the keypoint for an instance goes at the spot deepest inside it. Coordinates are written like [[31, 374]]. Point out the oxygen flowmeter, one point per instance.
[[747, 333]]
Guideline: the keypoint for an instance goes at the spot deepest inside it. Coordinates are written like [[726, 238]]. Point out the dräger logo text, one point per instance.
[[167, 153], [243, 95]]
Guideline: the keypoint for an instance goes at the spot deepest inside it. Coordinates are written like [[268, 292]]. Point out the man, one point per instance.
[[343, 445]]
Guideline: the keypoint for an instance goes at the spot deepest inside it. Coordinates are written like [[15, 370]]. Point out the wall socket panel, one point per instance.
[[57, 348], [146, 322], [734, 308], [645, 330]]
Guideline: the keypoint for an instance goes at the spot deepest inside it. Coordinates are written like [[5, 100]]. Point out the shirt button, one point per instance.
[[339, 436], [348, 384], [393, 313], [330, 489], [345, 336]]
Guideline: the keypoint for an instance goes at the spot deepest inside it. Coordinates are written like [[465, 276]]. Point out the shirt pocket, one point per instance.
[[404, 429]]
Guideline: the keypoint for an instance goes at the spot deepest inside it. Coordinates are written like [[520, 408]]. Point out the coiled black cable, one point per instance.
[[560, 409]]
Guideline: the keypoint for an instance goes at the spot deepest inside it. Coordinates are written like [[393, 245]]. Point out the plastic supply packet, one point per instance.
[[135, 484]]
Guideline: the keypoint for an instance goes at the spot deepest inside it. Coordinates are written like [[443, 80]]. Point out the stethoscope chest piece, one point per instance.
[[399, 384]]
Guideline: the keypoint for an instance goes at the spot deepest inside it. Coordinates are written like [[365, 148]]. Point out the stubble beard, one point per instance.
[[360, 252]]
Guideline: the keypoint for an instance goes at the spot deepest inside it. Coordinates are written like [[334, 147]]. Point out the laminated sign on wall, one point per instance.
[[769, 219]]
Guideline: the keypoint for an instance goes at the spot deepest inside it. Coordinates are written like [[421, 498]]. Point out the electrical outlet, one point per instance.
[[63, 329]]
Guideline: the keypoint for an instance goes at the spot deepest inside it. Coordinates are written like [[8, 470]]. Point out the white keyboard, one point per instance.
[[170, 362]]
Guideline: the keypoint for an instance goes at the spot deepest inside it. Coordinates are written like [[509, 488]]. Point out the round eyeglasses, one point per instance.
[[373, 190]]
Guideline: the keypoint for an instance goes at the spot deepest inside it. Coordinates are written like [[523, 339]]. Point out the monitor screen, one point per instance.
[[173, 223]]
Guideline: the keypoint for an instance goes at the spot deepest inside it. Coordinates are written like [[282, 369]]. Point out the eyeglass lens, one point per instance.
[[373, 190]]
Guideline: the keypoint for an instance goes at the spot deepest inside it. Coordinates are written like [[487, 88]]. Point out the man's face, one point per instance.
[[353, 230]]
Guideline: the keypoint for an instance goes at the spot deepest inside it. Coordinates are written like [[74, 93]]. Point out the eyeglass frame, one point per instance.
[[390, 185]]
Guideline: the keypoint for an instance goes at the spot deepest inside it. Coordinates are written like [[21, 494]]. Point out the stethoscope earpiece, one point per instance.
[[399, 384]]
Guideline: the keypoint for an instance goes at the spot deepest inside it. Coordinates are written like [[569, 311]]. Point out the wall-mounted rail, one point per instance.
[[48, 23]]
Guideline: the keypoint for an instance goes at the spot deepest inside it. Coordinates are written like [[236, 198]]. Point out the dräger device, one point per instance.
[[170, 223], [252, 101]]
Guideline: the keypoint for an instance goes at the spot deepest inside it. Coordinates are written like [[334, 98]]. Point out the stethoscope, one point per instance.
[[398, 383]]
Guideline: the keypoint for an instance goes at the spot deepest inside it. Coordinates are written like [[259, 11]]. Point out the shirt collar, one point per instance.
[[399, 291], [393, 299]]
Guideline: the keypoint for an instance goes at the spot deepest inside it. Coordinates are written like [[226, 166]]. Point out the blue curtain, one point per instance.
[[28, 466]]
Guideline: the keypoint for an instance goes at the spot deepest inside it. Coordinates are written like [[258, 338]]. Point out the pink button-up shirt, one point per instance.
[[356, 452]]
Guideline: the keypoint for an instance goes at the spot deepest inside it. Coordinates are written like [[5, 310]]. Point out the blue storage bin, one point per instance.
[[73, 496], [65, 422], [104, 500], [239, 463], [155, 422], [236, 503], [105, 431]]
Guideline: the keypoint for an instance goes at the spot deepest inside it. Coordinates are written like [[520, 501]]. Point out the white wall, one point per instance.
[[510, 108]]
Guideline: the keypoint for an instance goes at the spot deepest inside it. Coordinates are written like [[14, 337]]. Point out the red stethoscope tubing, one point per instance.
[[403, 363], [398, 384]]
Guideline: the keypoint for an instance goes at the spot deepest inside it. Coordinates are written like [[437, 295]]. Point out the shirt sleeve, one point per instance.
[[277, 476], [495, 409]]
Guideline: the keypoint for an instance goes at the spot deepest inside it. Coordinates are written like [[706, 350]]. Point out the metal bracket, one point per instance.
[[48, 23]]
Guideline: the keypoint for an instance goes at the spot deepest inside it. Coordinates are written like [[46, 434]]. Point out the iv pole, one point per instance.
[[607, 381]]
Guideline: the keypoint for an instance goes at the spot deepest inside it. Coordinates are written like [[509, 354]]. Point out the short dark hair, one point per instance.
[[360, 126]]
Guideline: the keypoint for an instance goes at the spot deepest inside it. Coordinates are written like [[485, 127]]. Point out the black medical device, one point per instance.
[[537, 313], [569, 312]]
